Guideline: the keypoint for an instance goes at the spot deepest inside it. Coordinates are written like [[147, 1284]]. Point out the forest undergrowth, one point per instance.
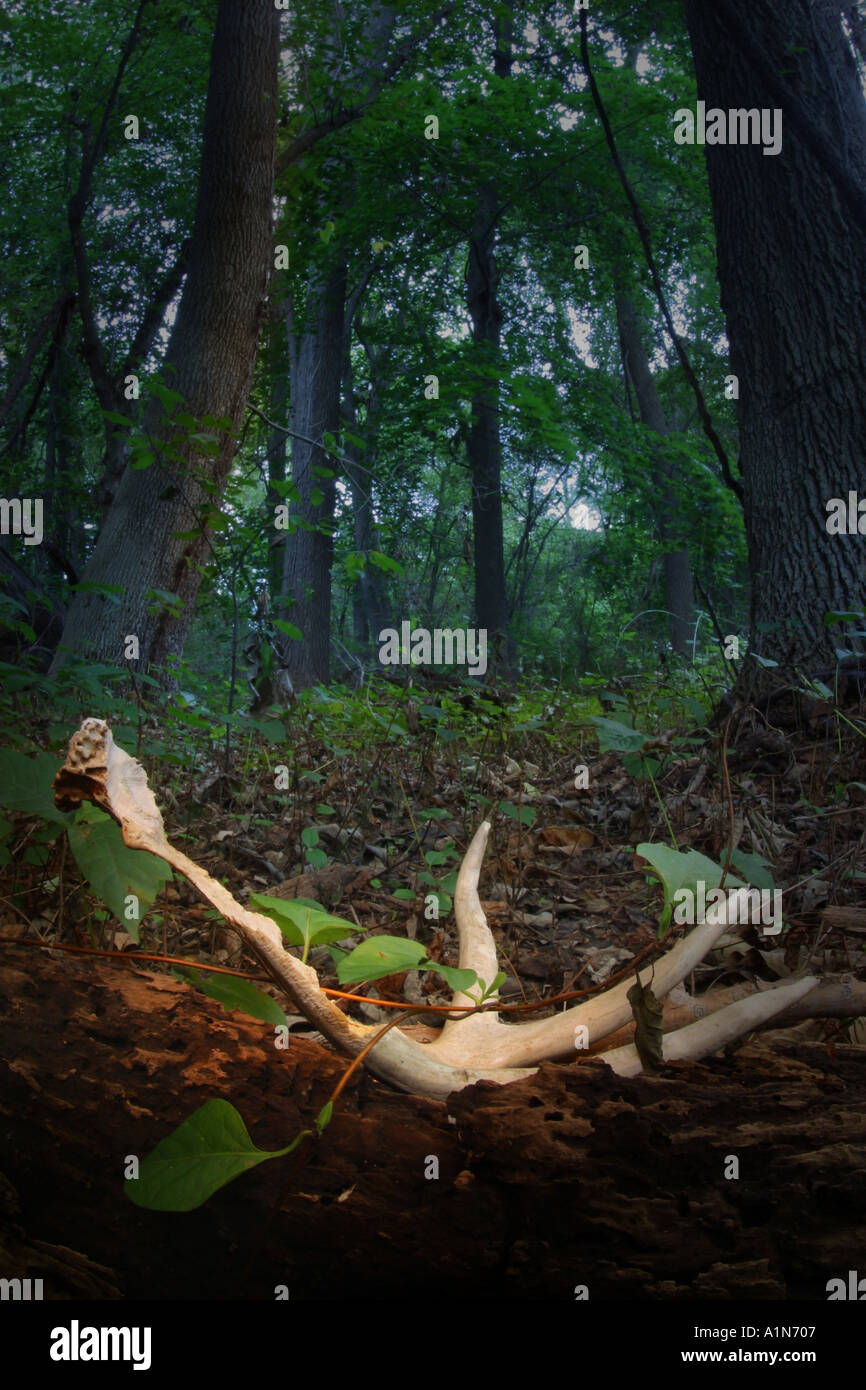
[[363, 802]]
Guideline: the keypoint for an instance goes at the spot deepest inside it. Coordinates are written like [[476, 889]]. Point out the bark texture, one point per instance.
[[484, 444], [309, 551], [793, 278], [575, 1176], [679, 590], [209, 361]]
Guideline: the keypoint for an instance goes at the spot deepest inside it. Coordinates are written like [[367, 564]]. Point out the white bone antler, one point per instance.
[[478, 1047]]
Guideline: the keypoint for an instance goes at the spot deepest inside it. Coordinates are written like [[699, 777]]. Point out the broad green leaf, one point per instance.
[[207, 1151], [754, 868], [112, 869], [616, 736], [271, 730], [455, 978], [302, 923], [25, 785], [379, 956], [233, 993], [384, 562], [289, 629], [678, 869]]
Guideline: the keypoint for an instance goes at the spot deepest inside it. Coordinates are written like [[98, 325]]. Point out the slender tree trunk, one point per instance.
[[792, 269], [306, 591], [679, 589], [484, 445], [370, 603], [209, 361], [278, 440]]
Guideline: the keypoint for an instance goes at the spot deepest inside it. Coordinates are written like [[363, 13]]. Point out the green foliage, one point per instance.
[[234, 993], [679, 870], [112, 869], [303, 922], [388, 955], [204, 1153]]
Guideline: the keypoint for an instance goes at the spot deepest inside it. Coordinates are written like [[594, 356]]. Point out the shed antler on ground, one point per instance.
[[480, 1045]]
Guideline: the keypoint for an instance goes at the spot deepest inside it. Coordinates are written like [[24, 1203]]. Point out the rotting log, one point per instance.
[[572, 1176]]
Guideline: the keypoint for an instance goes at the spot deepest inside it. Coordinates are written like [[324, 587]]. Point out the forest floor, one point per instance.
[[574, 1177]]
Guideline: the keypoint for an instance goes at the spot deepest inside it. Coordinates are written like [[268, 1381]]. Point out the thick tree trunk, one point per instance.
[[574, 1176], [209, 362], [679, 589], [793, 276], [309, 553]]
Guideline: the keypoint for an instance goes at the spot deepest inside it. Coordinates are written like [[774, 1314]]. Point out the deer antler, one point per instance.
[[478, 1047]]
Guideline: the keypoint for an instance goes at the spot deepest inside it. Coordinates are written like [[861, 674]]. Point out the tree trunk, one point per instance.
[[484, 445], [315, 390], [277, 439], [793, 276], [679, 590], [209, 362], [370, 602]]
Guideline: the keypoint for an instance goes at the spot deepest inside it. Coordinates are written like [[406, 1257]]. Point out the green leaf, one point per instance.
[[754, 868], [289, 629], [324, 1116], [379, 956], [271, 730], [112, 592], [524, 814], [849, 617], [112, 869], [613, 735], [310, 836], [677, 870], [207, 1151], [456, 979], [384, 562], [303, 923], [233, 993], [638, 766], [317, 857], [25, 785]]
